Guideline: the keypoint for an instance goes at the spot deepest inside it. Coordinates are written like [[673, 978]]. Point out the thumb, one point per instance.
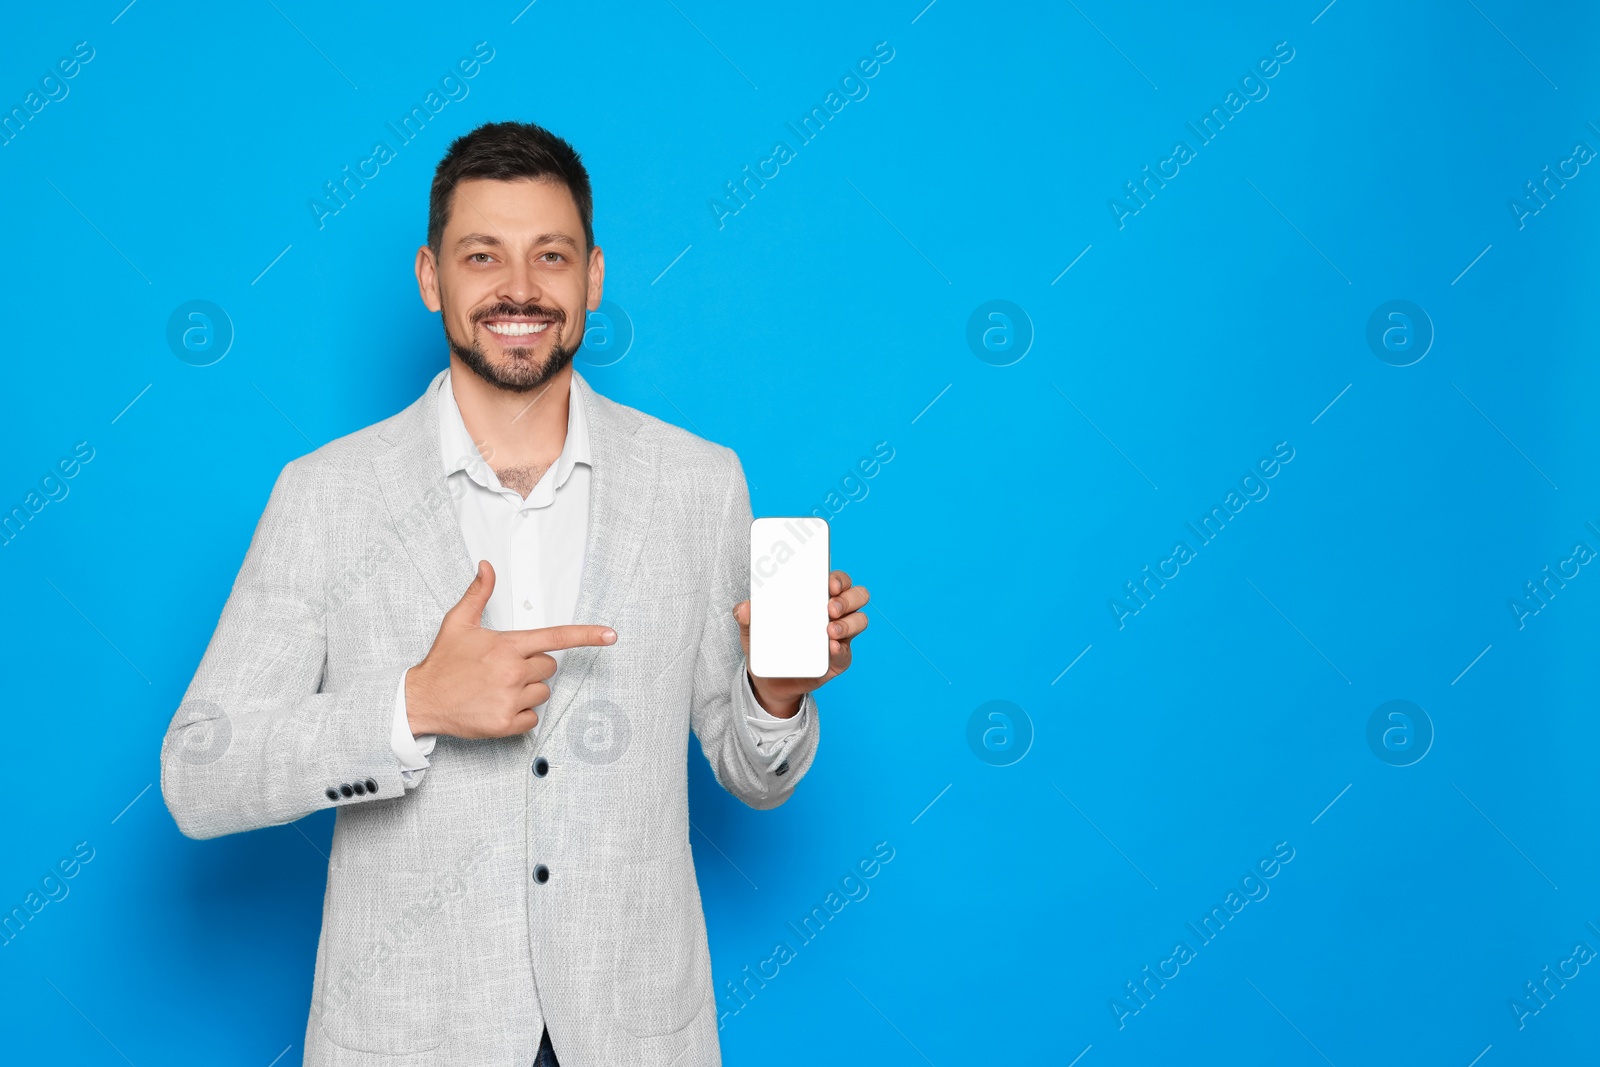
[[469, 609]]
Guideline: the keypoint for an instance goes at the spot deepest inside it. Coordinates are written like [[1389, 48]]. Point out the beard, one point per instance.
[[523, 370]]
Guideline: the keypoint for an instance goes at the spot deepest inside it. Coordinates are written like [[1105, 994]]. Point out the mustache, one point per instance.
[[507, 309]]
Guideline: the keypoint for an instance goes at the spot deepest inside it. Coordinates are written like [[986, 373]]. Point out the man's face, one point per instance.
[[512, 280]]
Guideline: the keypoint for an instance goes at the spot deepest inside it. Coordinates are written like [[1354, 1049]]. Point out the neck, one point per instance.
[[513, 429]]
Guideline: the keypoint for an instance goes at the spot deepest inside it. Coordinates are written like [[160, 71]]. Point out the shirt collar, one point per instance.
[[460, 452]]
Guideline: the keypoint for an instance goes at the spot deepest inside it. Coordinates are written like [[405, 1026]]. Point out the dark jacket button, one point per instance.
[[541, 767], [372, 787], [782, 768], [346, 790], [541, 874], [360, 789], [333, 794]]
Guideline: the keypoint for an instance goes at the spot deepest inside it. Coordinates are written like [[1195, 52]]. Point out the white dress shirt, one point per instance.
[[536, 547]]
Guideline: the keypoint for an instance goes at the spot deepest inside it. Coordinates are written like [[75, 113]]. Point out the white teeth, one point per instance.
[[517, 329]]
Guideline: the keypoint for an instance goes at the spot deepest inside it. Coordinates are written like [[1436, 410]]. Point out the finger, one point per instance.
[[540, 667], [555, 638], [846, 628], [533, 694], [852, 599], [469, 609], [839, 655], [741, 613], [838, 582]]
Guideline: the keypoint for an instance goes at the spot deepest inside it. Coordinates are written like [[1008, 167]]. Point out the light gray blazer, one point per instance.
[[439, 944]]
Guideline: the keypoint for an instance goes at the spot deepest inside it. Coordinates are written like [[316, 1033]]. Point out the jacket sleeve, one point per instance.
[[765, 781], [256, 741]]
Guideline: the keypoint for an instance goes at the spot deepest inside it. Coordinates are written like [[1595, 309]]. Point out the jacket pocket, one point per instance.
[[388, 967], [662, 964]]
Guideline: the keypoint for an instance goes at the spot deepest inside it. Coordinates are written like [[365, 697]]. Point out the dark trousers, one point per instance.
[[546, 1056]]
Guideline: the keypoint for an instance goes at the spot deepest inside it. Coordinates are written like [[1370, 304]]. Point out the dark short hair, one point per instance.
[[506, 151]]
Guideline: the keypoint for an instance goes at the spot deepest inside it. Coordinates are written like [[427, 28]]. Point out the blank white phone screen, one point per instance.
[[789, 598]]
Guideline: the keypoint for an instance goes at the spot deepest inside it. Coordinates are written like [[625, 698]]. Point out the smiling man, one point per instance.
[[482, 630]]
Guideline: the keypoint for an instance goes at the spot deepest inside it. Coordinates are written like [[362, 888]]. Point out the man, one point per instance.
[[510, 878]]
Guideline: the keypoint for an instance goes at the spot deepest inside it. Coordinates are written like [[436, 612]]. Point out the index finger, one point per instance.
[[839, 579], [555, 638]]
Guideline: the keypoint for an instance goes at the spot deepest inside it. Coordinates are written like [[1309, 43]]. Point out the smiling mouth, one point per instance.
[[517, 328]]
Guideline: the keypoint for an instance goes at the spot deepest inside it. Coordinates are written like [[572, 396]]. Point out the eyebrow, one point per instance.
[[493, 241]]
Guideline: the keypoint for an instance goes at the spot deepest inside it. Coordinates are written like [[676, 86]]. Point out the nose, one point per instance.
[[519, 283]]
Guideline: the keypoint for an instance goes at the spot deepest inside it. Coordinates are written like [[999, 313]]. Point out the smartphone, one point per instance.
[[789, 570]]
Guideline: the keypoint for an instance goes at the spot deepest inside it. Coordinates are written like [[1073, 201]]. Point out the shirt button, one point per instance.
[[541, 767], [527, 605], [541, 874]]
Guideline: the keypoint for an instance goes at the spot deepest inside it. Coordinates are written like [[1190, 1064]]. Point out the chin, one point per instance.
[[516, 372]]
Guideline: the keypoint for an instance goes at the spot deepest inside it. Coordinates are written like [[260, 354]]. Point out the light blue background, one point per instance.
[[821, 319]]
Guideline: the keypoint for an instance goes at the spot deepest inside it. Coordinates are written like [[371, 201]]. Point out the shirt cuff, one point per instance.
[[412, 752], [767, 737]]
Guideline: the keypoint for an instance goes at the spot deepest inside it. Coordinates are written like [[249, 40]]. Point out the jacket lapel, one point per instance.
[[622, 491], [411, 476]]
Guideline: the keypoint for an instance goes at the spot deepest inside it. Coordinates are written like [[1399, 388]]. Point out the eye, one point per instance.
[[473, 258], [557, 255]]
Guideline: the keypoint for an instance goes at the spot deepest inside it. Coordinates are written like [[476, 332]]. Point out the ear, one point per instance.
[[597, 276], [428, 279]]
